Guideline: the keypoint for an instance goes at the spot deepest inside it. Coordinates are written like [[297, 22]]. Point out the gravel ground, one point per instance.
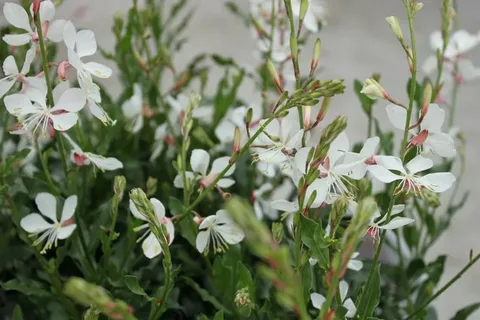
[[356, 43]]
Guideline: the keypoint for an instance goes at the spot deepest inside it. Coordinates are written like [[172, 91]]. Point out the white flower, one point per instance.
[[162, 137], [316, 13], [150, 246], [280, 47], [83, 44], [353, 264], [179, 107], [12, 74], [436, 141], [92, 92], [261, 206], [318, 300], [199, 161], [51, 231], [81, 158], [395, 223], [133, 109], [360, 161], [235, 118], [18, 17], [63, 115], [410, 180], [219, 230]]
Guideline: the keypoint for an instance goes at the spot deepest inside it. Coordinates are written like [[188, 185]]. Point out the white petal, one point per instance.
[[419, 164], [28, 61], [294, 141], [5, 86], [461, 42], [321, 186], [382, 174], [396, 223], [97, 111], [225, 183], [285, 206], [390, 163], [203, 113], [65, 232], [64, 121], [434, 118], [55, 30], [338, 148], [266, 169], [97, 69], [34, 223], [86, 43], [158, 207], [225, 131], [10, 66], [47, 11], [199, 161], [59, 90], [202, 240], [467, 70], [69, 208], [317, 300], [301, 159], [436, 40], [70, 36], [343, 288], [232, 234], [396, 209], [151, 247], [47, 205], [273, 155], [17, 16], [397, 116], [135, 212], [170, 231], [178, 182], [312, 261], [36, 89], [16, 40], [441, 144], [438, 182], [103, 163], [222, 216], [72, 100], [370, 146], [350, 307], [220, 164], [355, 265], [430, 65], [18, 105], [207, 222]]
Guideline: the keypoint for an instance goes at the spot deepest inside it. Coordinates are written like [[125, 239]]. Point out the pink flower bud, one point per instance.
[[307, 115], [79, 159], [62, 70], [36, 6], [420, 138]]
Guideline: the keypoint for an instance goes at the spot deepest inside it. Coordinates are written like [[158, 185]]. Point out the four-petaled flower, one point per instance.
[[53, 229], [318, 300], [133, 109], [12, 74], [220, 231], [151, 246], [382, 224]]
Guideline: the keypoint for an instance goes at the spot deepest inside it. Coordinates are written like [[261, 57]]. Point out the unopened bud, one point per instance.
[[62, 70], [303, 9], [431, 197], [249, 117], [294, 47], [119, 184], [242, 298], [374, 90], [417, 6], [307, 114], [317, 49], [395, 26], [277, 231], [36, 6], [332, 131], [427, 97], [274, 75], [323, 109], [410, 59], [236, 140], [339, 209], [143, 205], [420, 138], [311, 199]]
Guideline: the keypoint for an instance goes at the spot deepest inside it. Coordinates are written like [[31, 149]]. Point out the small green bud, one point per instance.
[[427, 95], [431, 197], [277, 231], [395, 26], [374, 90], [142, 203], [303, 9], [119, 184], [317, 50], [242, 298], [332, 131], [274, 74], [339, 209], [294, 47], [249, 116]]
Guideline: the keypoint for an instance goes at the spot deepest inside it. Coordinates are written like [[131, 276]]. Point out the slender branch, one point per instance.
[[51, 184], [446, 286], [43, 53]]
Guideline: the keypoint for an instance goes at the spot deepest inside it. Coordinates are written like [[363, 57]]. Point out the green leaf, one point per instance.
[[226, 95], [223, 61], [415, 268], [204, 294], [313, 237], [219, 315], [17, 313], [306, 274], [463, 313], [369, 297], [27, 287], [132, 284]]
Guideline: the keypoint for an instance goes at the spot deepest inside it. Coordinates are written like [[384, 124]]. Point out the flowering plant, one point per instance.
[[256, 208]]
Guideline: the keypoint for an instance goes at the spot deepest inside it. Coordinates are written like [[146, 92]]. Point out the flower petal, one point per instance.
[[86, 43], [390, 163], [225, 183], [370, 146], [397, 116], [16, 40], [317, 300], [19, 105], [382, 174], [284, 205], [430, 65], [396, 209], [441, 144], [151, 247], [34, 223], [135, 212], [202, 240], [343, 288], [72, 100], [10, 66], [65, 232], [70, 37], [355, 265], [28, 61], [97, 69], [434, 118], [158, 207], [199, 161], [64, 121], [321, 186], [396, 223], [438, 182], [208, 222], [220, 164], [103, 163], [17, 16], [47, 205], [69, 208], [301, 159], [352, 310], [5, 86], [55, 30], [419, 164], [338, 148], [231, 233]]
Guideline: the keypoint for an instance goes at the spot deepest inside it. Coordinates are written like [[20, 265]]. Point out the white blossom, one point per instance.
[[318, 300], [133, 109]]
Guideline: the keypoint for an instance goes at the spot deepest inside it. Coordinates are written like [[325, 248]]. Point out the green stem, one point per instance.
[[405, 281], [51, 184], [63, 159], [43, 53], [370, 123], [83, 243], [453, 105], [111, 234], [446, 286]]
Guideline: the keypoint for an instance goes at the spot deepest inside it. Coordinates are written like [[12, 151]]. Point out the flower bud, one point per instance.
[[307, 115], [339, 209], [374, 90], [303, 9], [242, 298], [323, 109], [62, 70], [142, 203], [332, 131], [317, 49], [277, 231], [417, 6], [36, 6], [236, 140], [395, 26], [410, 59], [420, 138], [274, 75], [249, 117], [427, 97], [119, 184], [431, 197]]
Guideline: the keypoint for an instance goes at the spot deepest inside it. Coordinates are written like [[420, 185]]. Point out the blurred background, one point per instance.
[[356, 43]]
